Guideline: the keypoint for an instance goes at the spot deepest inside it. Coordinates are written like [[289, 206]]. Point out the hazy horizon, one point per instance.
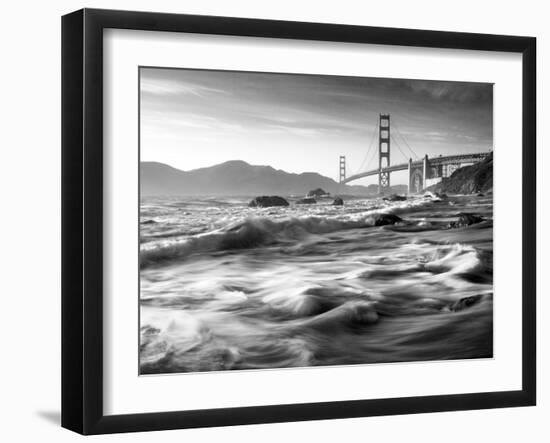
[[302, 123]]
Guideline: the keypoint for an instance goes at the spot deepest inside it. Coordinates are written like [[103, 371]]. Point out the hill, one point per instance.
[[237, 177], [469, 179]]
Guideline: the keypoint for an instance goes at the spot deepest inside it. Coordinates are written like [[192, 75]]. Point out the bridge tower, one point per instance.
[[383, 153], [342, 168]]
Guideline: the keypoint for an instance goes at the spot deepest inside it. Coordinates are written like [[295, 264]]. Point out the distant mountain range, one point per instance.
[[237, 177]]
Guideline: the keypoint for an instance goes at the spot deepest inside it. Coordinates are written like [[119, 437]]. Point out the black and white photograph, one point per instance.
[[275, 222], [292, 220]]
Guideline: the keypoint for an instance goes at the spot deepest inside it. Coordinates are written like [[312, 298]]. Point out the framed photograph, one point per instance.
[[268, 221]]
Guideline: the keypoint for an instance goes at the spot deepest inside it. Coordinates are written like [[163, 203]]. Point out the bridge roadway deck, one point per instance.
[[433, 161]]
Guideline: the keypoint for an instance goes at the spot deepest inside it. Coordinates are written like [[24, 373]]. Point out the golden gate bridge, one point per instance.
[[422, 171]]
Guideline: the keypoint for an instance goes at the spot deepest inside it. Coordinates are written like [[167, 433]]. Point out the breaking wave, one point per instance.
[[253, 232], [264, 231]]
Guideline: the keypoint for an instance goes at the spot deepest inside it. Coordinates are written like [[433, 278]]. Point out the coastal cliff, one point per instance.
[[469, 179]]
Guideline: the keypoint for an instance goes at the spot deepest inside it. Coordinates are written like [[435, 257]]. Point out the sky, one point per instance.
[[302, 123]]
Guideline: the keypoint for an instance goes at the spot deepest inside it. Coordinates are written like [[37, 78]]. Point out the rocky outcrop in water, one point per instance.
[[464, 303], [386, 219], [338, 202], [435, 195], [466, 219], [265, 201], [306, 201], [395, 198], [317, 192]]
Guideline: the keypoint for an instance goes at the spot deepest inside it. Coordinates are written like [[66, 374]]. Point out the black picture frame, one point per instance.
[[82, 220]]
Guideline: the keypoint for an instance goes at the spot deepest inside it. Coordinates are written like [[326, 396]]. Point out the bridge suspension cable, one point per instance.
[[372, 157], [415, 156], [399, 147], [364, 162]]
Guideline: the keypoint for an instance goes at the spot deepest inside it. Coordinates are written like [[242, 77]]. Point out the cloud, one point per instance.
[[164, 87], [255, 114], [455, 92]]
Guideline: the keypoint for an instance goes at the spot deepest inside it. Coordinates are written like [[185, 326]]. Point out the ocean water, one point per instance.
[[227, 287]]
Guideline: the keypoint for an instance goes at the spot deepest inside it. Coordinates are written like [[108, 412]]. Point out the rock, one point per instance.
[[441, 195], [432, 195], [386, 219], [395, 198], [464, 303], [480, 194], [465, 219], [318, 192], [338, 202], [306, 201], [149, 330], [266, 201]]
